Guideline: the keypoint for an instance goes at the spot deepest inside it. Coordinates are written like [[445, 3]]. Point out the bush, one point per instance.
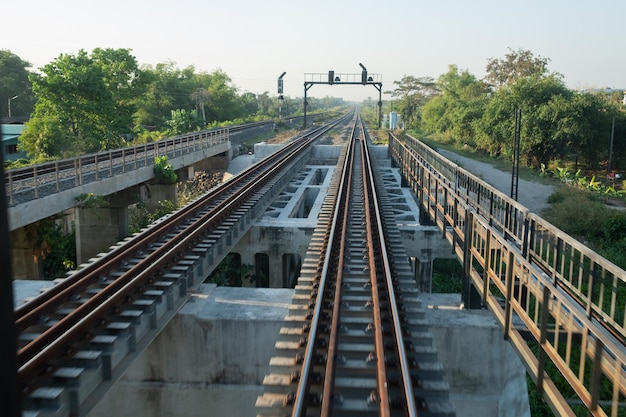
[[582, 215], [141, 217], [577, 213], [163, 171], [91, 200]]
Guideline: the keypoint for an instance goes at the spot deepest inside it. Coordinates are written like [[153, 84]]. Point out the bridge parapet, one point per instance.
[[43, 190]]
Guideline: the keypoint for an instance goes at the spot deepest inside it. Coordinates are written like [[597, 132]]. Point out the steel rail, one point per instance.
[[56, 339], [300, 399], [373, 226], [94, 311], [356, 176], [331, 363], [411, 408], [30, 312]]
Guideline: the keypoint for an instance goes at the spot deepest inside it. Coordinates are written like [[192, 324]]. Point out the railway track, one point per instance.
[[355, 341], [78, 336]]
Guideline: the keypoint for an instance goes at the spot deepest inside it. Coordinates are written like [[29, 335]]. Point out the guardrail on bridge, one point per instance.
[[36, 181], [568, 298]]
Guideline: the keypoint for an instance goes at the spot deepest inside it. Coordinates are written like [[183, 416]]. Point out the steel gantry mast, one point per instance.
[[332, 78]]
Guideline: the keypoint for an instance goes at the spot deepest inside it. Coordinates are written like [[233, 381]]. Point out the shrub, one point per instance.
[[91, 200], [163, 171]]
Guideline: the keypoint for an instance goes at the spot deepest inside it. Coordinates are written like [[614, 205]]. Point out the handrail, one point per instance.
[[36, 181], [539, 241], [565, 294]]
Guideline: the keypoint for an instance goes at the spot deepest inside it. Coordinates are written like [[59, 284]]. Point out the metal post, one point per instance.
[[305, 104], [516, 154], [280, 96], [508, 311], [608, 167], [380, 107], [542, 339]]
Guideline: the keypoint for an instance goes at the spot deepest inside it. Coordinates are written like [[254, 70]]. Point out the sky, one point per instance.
[[254, 42]]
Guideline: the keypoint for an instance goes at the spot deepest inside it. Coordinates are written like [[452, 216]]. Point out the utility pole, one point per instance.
[[516, 154], [608, 167], [9, 104]]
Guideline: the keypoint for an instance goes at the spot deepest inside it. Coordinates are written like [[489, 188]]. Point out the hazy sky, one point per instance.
[[255, 41]]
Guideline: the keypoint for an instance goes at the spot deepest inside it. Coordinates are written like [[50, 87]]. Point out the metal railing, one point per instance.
[[567, 297], [36, 181]]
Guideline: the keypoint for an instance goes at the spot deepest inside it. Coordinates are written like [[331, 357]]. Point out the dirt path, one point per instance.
[[532, 195]]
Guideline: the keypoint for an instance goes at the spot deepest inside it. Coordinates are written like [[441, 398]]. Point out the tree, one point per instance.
[[14, 73], [534, 96], [184, 121], [413, 92], [200, 96], [84, 104], [455, 111], [265, 103], [169, 88], [125, 82], [224, 103], [165, 91], [580, 122], [515, 65]]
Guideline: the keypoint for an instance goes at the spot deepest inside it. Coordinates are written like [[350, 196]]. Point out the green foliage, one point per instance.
[[14, 73], [169, 88], [413, 93], [91, 200], [58, 248], [455, 112], [538, 407], [581, 214], [557, 123], [447, 275], [84, 104], [183, 121], [141, 217], [230, 272], [163, 171]]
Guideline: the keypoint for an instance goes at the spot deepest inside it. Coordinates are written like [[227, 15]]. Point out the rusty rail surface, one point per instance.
[[71, 312], [349, 348]]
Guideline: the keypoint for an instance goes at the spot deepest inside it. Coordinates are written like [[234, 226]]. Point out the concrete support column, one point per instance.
[[247, 258], [424, 274], [276, 270], [152, 194], [26, 260], [97, 229]]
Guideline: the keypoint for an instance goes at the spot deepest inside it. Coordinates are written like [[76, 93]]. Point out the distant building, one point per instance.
[[10, 135]]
